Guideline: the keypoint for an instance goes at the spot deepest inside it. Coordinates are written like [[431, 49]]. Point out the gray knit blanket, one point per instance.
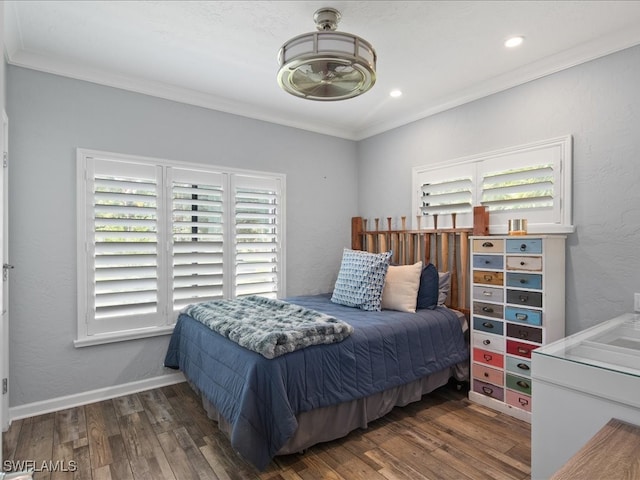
[[267, 326]]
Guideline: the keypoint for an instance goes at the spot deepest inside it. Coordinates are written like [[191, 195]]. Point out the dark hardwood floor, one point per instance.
[[165, 434]]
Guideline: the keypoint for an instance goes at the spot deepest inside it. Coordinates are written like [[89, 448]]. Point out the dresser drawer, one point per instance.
[[488, 374], [490, 326], [524, 245], [518, 400], [488, 278], [524, 332], [522, 315], [488, 309], [488, 341], [488, 245], [488, 390], [524, 280], [525, 297], [526, 264], [519, 366], [488, 261], [488, 294], [520, 348], [520, 384], [488, 358]]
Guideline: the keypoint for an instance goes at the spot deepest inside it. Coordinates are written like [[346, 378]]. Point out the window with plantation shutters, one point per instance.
[[531, 181], [124, 229], [155, 236], [257, 235], [197, 229]]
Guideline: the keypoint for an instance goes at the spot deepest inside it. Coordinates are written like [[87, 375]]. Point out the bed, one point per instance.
[[320, 392]]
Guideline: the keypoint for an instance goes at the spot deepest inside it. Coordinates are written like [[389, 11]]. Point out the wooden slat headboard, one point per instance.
[[446, 248]]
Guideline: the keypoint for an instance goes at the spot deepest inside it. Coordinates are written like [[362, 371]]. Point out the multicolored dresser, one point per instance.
[[517, 305]]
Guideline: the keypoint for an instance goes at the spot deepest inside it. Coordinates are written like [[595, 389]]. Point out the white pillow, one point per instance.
[[401, 285]]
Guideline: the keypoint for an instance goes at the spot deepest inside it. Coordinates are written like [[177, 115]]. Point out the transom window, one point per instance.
[[530, 181]]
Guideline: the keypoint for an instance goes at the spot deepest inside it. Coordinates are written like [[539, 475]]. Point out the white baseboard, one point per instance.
[[75, 400]]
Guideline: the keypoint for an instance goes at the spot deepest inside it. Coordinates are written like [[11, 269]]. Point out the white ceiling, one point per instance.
[[223, 54]]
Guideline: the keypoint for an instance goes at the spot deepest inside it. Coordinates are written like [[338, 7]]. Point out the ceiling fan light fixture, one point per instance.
[[327, 65]]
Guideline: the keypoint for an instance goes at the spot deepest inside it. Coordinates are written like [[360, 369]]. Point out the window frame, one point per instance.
[[557, 220], [86, 237]]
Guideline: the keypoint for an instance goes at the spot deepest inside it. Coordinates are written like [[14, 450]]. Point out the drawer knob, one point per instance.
[[523, 366], [487, 390], [522, 280], [487, 294], [524, 351], [487, 262], [488, 278], [523, 298], [487, 244], [488, 357], [522, 264], [523, 247], [523, 401], [521, 316], [487, 309], [523, 334], [486, 375], [486, 342], [487, 325], [523, 384]]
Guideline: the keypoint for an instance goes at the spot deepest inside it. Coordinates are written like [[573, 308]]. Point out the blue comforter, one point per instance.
[[260, 397]]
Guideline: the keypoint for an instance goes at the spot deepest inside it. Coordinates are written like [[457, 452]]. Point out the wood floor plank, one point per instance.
[[317, 469], [159, 410], [165, 434], [137, 433], [99, 432], [127, 404], [393, 468], [10, 438], [102, 473], [482, 456], [211, 456], [36, 443], [196, 459], [62, 461], [70, 425], [180, 463], [83, 463]]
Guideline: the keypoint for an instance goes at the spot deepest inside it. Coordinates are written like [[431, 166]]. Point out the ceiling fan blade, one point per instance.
[[325, 90]]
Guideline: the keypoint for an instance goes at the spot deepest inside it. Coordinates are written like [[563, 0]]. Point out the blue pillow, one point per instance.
[[429, 286], [361, 279]]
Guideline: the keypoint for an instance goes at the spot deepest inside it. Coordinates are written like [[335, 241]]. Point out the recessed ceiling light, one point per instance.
[[395, 93], [512, 42]]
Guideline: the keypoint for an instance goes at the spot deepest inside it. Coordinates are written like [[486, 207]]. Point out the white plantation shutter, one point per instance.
[[454, 195], [444, 191], [258, 222], [155, 236], [530, 181], [527, 184], [197, 206], [519, 188], [123, 246]]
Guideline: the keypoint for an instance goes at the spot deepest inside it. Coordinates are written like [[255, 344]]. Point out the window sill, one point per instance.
[[123, 336]]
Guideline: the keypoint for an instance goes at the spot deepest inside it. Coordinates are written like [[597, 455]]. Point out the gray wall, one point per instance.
[[49, 117], [599, 104]]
